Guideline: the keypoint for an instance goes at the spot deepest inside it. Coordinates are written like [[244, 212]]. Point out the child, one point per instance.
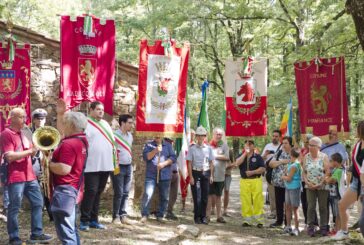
[[293, 190], [337, 180]]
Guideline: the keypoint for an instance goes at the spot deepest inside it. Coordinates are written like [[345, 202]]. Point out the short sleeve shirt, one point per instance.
[[200, 156], [270, 147], [100, 157], [71, 151], [279, 171], [253, 163], [124, 156], [20, 170], [220, 165], [335, 148]]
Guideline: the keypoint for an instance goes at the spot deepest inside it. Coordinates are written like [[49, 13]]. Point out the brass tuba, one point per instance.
[[46, 139]]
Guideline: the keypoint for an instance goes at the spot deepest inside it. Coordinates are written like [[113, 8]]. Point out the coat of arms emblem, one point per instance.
[[86, 71], [7, 81]]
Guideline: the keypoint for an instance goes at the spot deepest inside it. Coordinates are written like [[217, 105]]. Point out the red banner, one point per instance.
[[246, 97], [162, 90], [14, 82], [321, 91], [87, 62]]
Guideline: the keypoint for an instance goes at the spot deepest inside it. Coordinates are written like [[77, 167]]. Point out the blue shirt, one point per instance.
[[335, 148], [166, 153], [295, 182]]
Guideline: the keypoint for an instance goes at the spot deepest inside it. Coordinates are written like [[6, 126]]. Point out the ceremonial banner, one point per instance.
[[246, 97], [321, 91], [87, 61], [14, 81], [162, 90]]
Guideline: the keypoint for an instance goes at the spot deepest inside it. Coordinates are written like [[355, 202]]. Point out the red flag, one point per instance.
[[246, 97], [321, 91], [14, 82], [87, 62], [162, 90]]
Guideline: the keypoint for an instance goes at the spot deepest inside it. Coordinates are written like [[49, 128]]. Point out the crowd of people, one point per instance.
[[90, 152]]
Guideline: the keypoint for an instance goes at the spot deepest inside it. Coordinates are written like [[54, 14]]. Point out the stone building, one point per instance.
[[45, 77]]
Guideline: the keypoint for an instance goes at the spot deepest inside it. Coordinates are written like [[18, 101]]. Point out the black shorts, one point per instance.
[[216, 188]]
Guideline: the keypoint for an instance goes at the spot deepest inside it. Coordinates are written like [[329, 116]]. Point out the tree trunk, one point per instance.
[[356, 9]]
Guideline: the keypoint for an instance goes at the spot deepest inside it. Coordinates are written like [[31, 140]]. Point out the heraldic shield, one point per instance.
[[86, 71], [7, 81]]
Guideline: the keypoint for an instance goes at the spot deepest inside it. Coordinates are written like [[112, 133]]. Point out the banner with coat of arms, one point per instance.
[[87, 61], [14, 81], [246, 97], [321, 92], [162, 89]]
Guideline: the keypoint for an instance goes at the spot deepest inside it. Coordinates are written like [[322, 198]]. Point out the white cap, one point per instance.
[[39, 113], [201, 131]]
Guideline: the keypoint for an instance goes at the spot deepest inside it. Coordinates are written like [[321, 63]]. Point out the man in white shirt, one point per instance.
[[122, 181], [99, 165], [268, 153]]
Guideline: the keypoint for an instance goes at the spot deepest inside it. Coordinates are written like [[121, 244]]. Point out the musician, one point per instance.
[[38, 120], [67, 166], [18, 151], [159, 155]]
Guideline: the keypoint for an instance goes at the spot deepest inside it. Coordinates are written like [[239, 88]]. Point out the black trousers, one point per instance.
[[95, 183], [200, 192], [280, 194]]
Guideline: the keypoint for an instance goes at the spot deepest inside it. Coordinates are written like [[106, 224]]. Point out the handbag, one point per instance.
[[269, 170], [65, 196]]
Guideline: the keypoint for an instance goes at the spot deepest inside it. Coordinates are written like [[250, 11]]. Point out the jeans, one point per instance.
[[31, 190], [95, 183], [121, 185], [5, 197], [200, 191], [66, 228], [173, 192], [149, 187]]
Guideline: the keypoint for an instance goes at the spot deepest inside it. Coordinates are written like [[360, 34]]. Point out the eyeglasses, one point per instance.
[[313, 145], [219, 134]]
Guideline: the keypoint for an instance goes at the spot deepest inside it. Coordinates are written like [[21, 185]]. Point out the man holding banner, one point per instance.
[[122, 181]]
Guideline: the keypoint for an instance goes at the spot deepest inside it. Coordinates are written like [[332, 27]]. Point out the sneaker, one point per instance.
[[116, 221], [124, 220], [275, 225], [15, 241], [340, 235], [220, 220], [204, 221], [287, 230], [42, 239], [84, 226], [144, 219], [332, 233], [97, 225], [161, 220], [271, 216], [311, 231], [171, 216], [294, 232]]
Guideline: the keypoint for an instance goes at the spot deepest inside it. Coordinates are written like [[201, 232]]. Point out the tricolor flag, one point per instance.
[[286, 124]]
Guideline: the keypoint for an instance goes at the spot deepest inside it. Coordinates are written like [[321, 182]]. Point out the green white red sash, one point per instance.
[[109, 137], [123, 143]]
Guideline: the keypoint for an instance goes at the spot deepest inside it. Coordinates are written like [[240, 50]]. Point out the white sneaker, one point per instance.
[[340, 235], [294, 232], [287, 230]]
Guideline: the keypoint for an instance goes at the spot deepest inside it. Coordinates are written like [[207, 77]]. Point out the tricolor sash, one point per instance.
[[123, 143], [109, 137]]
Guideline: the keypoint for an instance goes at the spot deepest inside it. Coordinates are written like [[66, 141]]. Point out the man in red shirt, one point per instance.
[[21, 181], [67, 166]]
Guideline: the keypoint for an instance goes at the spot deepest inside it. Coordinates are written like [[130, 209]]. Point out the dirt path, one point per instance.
[[156, 233]]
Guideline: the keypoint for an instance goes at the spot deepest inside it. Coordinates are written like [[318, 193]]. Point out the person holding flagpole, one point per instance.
[[122, 181]]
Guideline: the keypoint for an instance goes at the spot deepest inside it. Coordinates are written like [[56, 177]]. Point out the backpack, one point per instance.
[[268, 169]]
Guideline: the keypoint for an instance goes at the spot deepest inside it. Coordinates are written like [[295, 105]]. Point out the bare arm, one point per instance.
[[240, 160], [14, 156], [276, 163], [59, 168], [289, 177], [152, 153]]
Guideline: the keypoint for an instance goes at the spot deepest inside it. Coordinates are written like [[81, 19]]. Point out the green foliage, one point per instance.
[[284, 31]]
